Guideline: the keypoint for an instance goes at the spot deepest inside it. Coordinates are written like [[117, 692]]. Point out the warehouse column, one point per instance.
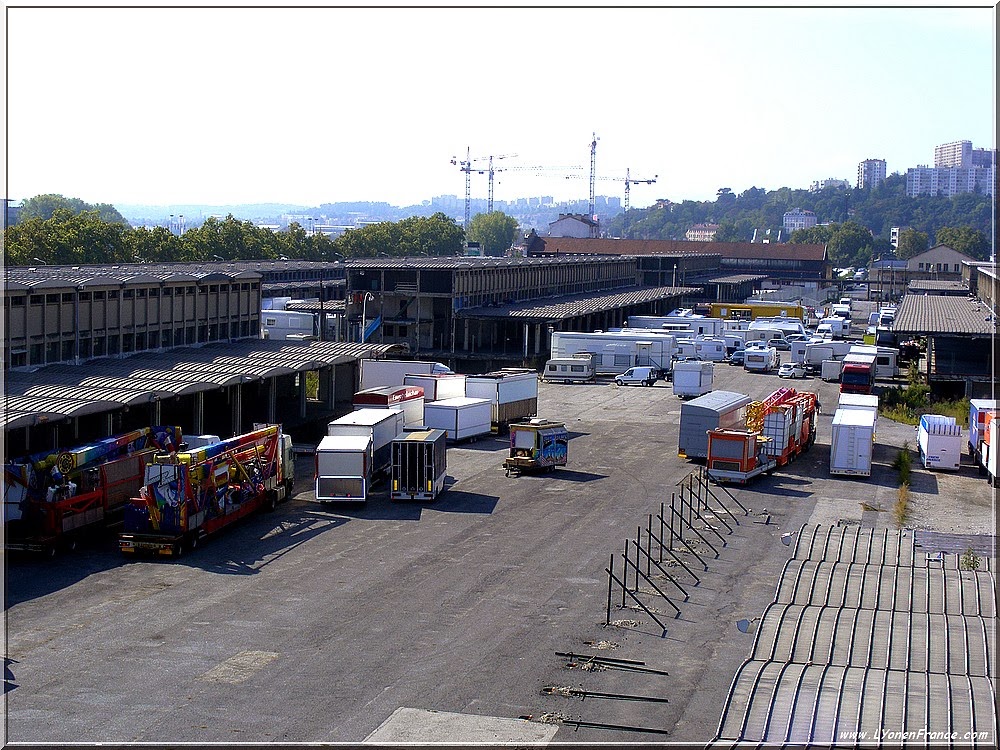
[[525, 341], [302, 395], [236, 403], [157, 412], [199, 413], [465, 345], [272, 400], [538, 338]]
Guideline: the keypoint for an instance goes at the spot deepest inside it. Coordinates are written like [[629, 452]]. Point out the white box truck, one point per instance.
[[381, 425], [852, 436], [693, 379], [438, 386], [513, 393], [379, 373], [460, 418], [406, 398], [343, 468], [867, 401], [939, 442]]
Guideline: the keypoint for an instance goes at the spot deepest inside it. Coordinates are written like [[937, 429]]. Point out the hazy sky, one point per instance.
[[224, 106]]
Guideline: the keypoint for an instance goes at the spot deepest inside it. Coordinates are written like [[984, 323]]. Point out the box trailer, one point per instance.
[[866, 401], [460, 418], [343, 469], [378, 373], [939, 442], [979, 408], [987, 448], [760, 358], [513, 393], [696, 325], [693, 379], [536, 445], [718, 409], [438, 386], [381, 425], [419, 465], [852, 436], [830, 370], [408, 399]]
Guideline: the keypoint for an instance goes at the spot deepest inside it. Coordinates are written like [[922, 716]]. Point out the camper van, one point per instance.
[[577, 369]]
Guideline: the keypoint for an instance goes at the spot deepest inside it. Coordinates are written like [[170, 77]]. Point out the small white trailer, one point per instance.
[[461, 418], [830, 370], [852, 436], [381, 425], [760, 358], [438, 386], [343, 469], [939, 442], [693, 379]]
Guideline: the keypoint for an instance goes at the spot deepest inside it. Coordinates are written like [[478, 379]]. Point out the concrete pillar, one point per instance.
[[110, 429], [302, 395], [236, 407], [199, 413], [538, 338], [465, 345], [157, 411], [525, 354], [272, 400]]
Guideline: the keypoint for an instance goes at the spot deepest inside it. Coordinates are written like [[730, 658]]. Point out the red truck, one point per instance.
[[50, 499], [858, 374]]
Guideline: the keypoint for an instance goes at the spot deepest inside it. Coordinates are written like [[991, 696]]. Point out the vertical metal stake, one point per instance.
[[649, 540], [625, 574], [611, 569]]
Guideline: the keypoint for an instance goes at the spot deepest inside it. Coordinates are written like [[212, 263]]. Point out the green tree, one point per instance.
[[66, 238], [817, 235], [966, 240], [848, 240], [45, 206], [911, 242], [494, 231]]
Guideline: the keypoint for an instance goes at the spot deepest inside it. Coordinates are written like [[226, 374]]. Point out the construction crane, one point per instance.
[[629, 182], [593, 172], [467, 167]]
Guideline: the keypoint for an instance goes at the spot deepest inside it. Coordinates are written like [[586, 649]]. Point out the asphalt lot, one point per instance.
[[311, 624]]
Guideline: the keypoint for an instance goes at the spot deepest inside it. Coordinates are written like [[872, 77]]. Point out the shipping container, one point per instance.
[[512, 392], [939, 442], [852, 436], [406, 398], [438, 386], [718, 409], [419, 465], [460, 418]]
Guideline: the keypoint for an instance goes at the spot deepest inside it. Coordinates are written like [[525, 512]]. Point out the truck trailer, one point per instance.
[[419, 465], [852, 437], [379, 373], [408, 399], [52, 498], [718, 409], [381, 425], [939, 442], [438, 386], [191, 494], [460, 418], [513, 393], [343, 469], [693, 379]]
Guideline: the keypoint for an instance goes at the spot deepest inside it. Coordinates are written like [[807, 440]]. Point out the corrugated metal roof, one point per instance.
[[737, 278], [922, 314], [60, 391], [574, 305], [938, 285], [462, 262], [868, 635], [315, 306]]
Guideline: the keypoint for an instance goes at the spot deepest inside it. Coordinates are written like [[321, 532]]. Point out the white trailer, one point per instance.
[[379, 373], [764, 334], [978, 409], [460, 418], [282, 325], [714, 410], [829, 370], [381, 425], [576, 369], [438, 386], [615, 352], [710, 349], [406, 398], [939, 442], [343, 468], [987, 450], [780, 323], [513, 393], [698, 326], [693, 379], [852, 437], [841, 328], [864, 401], [760, 358], [885, 359]]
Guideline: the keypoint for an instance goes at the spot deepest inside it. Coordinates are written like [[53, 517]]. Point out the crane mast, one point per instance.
[[593, 172], [628, 186]]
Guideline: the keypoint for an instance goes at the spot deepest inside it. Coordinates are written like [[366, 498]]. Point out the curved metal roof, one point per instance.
[[34, 409]]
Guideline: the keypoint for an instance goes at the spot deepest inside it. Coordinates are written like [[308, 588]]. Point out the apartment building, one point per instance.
[[798, 218], [871, 173]]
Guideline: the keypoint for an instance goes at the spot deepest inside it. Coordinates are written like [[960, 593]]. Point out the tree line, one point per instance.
[[66, 231], [858, 220]]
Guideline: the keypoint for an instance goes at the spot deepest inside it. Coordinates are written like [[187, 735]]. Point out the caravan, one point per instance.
[[615, 352]]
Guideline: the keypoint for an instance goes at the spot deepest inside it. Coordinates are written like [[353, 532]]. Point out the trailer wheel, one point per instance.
[[177, 550], [193, 542], [272, 501]]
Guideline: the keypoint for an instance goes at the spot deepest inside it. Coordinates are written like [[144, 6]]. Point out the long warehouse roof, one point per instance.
[[574, 305], [59, 391], [923, 314]]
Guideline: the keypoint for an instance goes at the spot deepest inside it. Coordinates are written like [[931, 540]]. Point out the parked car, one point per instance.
[[737, 357], [782, 345], [796, 337], [638, 375], [791, 370]]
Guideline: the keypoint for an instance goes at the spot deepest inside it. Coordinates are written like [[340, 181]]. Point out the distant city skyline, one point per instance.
[[251, 105]]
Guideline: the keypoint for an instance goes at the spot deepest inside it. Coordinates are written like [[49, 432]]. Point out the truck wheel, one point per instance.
[[272, 501], [177, 550], [193, 542], [71, 545]]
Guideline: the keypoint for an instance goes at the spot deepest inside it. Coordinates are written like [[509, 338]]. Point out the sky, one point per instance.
[[222, 106]]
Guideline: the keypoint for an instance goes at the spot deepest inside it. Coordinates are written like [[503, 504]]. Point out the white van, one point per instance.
[[637, 375]]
